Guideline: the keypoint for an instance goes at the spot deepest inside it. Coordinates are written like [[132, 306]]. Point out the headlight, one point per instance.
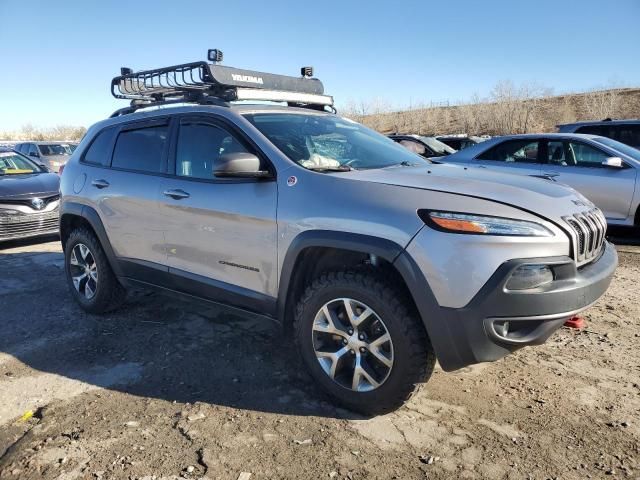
[[482, 224]]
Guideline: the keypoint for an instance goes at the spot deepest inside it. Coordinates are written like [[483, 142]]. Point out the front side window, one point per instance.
[[583, 155], [13, 163], [199, 147], [512, 151], [140, 149], [619, 147], [323, 141]]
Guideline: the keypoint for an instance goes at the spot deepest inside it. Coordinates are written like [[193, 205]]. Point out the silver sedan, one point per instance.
[[603, 170]]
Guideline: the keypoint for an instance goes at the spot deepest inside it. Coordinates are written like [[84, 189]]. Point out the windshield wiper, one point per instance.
[[341, 168]]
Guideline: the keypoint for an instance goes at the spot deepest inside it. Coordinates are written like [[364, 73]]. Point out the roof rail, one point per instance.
[[202, 82]]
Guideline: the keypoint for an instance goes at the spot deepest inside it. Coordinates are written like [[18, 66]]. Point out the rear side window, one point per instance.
[[141, 149], [513, 151], [99, 151], [602, 130]]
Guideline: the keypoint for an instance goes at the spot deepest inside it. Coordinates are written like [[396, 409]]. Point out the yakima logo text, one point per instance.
[[246, 78]]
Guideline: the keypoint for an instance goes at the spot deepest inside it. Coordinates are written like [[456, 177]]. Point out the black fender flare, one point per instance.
[[381, 247], [93, 218]]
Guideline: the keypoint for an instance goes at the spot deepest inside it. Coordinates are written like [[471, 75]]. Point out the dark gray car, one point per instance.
[[29, 198], [624, 131]]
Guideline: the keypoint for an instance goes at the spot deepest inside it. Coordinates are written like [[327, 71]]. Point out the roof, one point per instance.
[[548, 135], [600, 122]]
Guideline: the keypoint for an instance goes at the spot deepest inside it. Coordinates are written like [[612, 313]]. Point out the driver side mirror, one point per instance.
[[239, 165], [34, 154], [613, 162]]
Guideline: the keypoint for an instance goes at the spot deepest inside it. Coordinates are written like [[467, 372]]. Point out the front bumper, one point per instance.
[[498, 321]]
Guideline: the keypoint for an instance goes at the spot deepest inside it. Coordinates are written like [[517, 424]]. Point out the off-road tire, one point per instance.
[[109, 294], [414, 358]]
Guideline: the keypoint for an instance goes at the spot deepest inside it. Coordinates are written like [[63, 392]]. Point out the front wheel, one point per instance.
[[361, 341]]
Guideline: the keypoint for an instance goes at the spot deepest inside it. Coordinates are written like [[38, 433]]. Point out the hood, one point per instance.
[[544, 197], [26, 186]]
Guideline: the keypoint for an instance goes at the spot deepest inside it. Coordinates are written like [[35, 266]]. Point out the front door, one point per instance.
[[579, 165], [220, 233]]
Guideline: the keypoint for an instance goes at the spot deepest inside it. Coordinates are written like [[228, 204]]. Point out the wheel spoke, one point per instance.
[[387, 362], [325, 322], [89, 291], [77, 280], [329, 360], [74, 260], [93, 273], [83, 252], [360, 376]]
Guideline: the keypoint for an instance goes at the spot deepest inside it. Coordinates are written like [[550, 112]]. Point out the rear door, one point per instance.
[[579, 165], [518, 156], [125, 190], [220, 233]]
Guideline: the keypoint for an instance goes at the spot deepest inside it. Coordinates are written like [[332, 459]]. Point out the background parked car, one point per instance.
[[29, 197], [428, 147], [459, 142], [602, 169], [50, 154], [625, 131]]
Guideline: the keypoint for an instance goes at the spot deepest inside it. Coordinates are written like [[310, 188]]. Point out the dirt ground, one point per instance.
[[166, 388]]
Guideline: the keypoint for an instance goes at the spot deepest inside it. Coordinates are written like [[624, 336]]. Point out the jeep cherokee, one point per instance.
[[378, 261]]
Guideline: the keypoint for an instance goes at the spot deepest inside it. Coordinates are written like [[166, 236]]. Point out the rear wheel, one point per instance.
[[362, 343], [89, 276]]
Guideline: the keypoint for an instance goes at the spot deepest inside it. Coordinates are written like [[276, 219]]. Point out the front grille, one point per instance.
[[25, 225], [27, 201], [589, 229]]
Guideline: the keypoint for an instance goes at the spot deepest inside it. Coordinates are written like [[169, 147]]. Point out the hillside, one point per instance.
[[507, 110]]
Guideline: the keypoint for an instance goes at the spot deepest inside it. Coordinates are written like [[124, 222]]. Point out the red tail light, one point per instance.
[[60, 170]]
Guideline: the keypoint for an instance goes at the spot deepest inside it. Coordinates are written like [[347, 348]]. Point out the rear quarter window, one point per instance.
[[99, 152]]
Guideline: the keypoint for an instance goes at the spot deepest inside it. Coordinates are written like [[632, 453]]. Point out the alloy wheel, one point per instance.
[[352, 344], [84, 271]]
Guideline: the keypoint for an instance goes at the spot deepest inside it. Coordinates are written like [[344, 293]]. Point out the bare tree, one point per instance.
[[600, 104]]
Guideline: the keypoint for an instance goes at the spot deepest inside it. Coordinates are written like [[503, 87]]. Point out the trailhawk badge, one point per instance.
[[37, 203]]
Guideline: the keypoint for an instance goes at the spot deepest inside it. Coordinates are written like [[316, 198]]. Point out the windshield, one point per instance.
[[54, 149], [619, 146], [437, 146], [13, 163], [326, 141]]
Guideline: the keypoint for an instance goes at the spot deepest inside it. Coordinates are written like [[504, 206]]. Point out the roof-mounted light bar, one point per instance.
[[283, 96], [198, 79]]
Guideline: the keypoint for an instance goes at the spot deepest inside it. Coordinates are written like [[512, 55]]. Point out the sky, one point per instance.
[[57, 58]]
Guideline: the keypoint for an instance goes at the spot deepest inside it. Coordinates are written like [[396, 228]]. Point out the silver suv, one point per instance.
[[377, 261]]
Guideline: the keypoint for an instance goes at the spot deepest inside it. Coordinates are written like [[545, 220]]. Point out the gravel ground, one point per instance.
[[166, 388]]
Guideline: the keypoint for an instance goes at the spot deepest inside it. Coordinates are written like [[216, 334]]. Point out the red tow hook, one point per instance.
[[575, 322]]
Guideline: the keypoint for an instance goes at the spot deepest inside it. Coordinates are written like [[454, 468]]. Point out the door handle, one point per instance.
[[176, 194], [100, 183]]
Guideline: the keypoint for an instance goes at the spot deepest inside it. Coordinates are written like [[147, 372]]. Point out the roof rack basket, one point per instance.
[[202, 82]]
